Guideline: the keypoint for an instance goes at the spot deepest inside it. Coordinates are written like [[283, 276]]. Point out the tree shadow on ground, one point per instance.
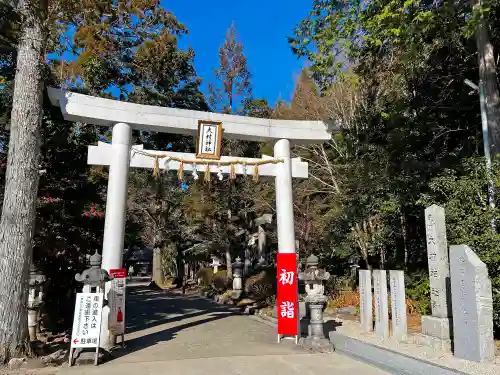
[[146, 341], [148, 308]]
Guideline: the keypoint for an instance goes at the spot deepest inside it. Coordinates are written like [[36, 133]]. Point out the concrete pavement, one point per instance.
[[174, 334]]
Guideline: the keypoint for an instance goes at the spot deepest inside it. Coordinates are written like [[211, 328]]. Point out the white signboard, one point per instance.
[[87, 320], [209, 140], [116, 321]]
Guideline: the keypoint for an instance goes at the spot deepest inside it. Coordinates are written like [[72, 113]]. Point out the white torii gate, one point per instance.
[[124, 117]]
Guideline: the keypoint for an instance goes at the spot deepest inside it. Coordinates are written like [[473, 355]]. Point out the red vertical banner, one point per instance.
[[287, 295]]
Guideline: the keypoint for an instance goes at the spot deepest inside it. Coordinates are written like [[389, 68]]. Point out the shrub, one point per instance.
[[261, 286], [220, 280], [206, 276], [419, 292], [336, 285]]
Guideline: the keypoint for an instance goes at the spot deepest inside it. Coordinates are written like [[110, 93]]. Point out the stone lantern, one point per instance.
[[94, 277], [313, 278], [35, 299], [215, 264], [237, 278]]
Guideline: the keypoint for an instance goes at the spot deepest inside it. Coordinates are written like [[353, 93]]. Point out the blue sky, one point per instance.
[[263, 27]]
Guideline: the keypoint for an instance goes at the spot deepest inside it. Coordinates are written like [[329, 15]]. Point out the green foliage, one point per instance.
[[206, 275], [133, 47], [335, 285], [419, 290], [257, 108], [407, 130], [261, 286], [220, 280], [463, 194]]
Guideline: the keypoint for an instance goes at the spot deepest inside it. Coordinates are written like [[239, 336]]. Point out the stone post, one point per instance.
[[472, 306], [437, 328], [366, 300], [35, 300], [398, 305], [381, 303], [237, 278], [313, 278]]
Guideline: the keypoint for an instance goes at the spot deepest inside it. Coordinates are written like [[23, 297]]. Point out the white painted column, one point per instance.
[[284, 198], [116, 202], [116, 210]]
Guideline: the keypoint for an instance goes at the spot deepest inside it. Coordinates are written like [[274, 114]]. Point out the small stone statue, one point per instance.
[[94, 276], [313, 278]]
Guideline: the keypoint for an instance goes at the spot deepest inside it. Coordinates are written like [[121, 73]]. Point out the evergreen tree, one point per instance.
[[233, 77]]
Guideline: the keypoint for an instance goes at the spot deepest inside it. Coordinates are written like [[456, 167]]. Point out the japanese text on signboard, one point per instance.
[[209, 140], [287, 298], [87, 320]]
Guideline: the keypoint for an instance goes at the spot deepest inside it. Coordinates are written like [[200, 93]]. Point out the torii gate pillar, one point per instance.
[[116, 211], [116, 200], [284, 198]]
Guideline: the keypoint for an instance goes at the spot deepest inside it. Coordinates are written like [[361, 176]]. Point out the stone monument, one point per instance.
[[313, 278], [35, 300], [366, 300], [438, 328], [472, 306], [237, 278], [381, 303], [398, 305]]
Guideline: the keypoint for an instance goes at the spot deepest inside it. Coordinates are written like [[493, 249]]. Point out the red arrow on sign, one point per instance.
[[75, 341]]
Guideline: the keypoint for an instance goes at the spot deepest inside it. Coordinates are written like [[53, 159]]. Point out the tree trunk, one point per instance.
[[382, 257], [366, 258], [229, 263], [489, 99], [17, 223], [402, 219], [488, 76]]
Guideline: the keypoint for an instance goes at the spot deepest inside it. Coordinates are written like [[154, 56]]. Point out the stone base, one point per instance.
[[236, 294], [437, 332], [83, 357], [435, 343], [389, 361], [317, 344]]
